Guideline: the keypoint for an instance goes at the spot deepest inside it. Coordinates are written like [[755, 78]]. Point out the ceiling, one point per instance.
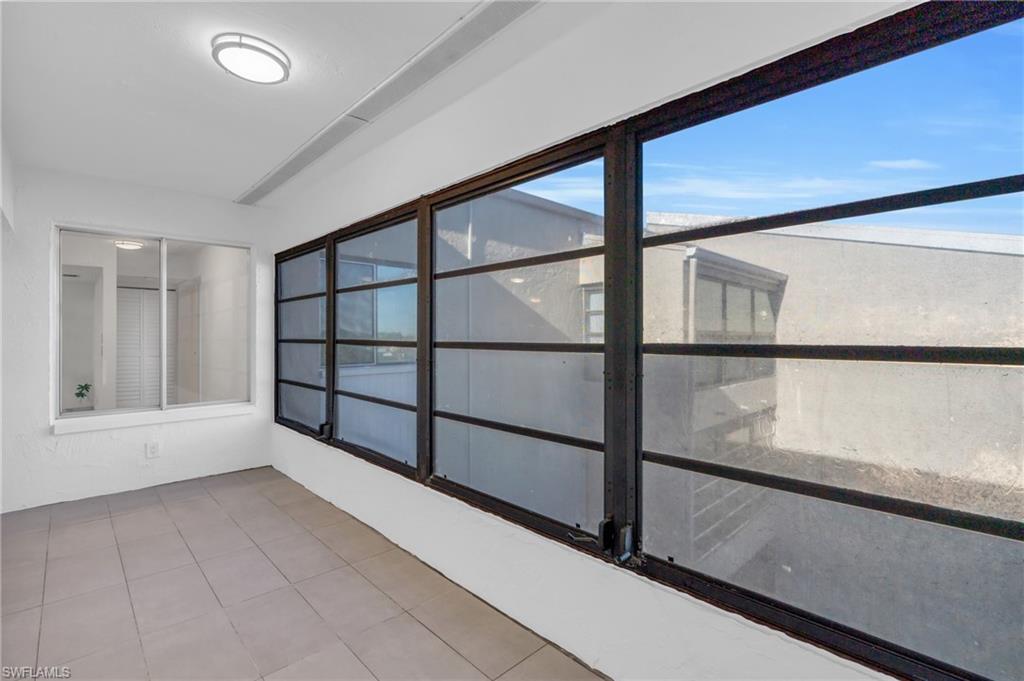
[[128, 91]]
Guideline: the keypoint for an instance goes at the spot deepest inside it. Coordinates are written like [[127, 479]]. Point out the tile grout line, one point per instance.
[[259, 672], [128, 591], [42, 594]]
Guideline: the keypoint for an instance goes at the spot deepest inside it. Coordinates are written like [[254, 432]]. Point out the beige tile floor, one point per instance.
[[246, 575]]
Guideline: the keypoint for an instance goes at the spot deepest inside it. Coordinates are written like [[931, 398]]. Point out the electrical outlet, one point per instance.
[[152, 450]]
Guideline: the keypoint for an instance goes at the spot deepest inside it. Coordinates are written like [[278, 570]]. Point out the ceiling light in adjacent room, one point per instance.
[[251, 58], [128, 244]]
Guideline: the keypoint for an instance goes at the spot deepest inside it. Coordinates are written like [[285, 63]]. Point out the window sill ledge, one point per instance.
[[84, 424]]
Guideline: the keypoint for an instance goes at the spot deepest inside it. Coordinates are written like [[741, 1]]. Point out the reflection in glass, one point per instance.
[[503, 386], [385, 430], [843, 283], [302, 405], [558, 212], [302, 275], [554, 480], [948, 435], [208, 327], [304, 319], [386, 372], [918, 584], [110, 323], [381, 255], [381, 314], [543, 303], [302, 362]]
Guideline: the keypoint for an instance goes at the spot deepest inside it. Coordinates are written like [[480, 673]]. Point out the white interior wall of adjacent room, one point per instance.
[[40, 467], [559, 76]]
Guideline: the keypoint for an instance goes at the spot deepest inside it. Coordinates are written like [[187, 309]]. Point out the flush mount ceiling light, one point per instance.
[[251, 58], [128, 244]]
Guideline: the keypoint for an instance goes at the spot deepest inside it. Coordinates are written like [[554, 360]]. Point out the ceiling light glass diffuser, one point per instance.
[[128, 244], [251, 58]]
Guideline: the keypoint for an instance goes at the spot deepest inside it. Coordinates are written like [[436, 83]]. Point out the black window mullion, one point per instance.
[[327, 430], [622, 340], [424, 341]]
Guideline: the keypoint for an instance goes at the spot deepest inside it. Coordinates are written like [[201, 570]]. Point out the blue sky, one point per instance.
[[951, 114]]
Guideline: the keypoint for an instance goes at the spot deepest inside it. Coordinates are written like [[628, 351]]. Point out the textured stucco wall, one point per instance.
[[39, 467]]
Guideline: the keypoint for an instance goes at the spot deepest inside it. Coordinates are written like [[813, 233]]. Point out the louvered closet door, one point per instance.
[[138, 347]]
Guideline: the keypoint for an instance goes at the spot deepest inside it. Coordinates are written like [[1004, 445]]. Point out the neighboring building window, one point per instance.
[[114, 326], [726, 312], [593, 314]]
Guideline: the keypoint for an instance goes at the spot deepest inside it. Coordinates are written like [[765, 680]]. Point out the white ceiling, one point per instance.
[[128, 91]]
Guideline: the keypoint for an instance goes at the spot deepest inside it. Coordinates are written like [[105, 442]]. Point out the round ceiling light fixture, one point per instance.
[[251, 58], [128, 244]]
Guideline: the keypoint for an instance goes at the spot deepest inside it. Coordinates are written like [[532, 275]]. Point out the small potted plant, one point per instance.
[[82, 390]]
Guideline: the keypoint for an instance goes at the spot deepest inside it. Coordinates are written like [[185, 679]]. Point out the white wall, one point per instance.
[[40, 467], [563, 69]]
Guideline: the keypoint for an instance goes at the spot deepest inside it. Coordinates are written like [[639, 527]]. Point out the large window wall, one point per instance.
[[762, 343]]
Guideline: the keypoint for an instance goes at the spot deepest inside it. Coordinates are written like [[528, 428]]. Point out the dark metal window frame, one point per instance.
[[902, 34], [367, 453]]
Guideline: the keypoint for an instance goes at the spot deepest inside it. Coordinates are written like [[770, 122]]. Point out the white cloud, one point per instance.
[[904, 164], [754, 187]]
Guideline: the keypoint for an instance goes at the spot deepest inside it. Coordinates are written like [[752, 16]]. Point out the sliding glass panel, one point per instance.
[[849, 281], [386, 430], [558, 212], [303, 319], [303, 405], [302, 362], [381, 314], [378, 256], [208, 327], [302, 275], [553, 480], [543, 303], [947, 115], [556, 392], [386, 372], [110, 323], [948, 593], [945, 435]]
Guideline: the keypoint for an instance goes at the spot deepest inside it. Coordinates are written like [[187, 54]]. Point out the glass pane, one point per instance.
[[304, 274], [382, 314], [208, 329], [556, 392], [595, 301], [378, 256], [558, 212], [302, 362], [543, 303], [353, 355], [392, 376], [386, 430], [303, 405], [738, 315], [847, 282], [946, 435], [110, 323], [305, 319], [822, 146], [764, 314], [917, 584], [560, 482]]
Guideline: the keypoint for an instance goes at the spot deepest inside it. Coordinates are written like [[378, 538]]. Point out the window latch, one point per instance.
[[325, 431]]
